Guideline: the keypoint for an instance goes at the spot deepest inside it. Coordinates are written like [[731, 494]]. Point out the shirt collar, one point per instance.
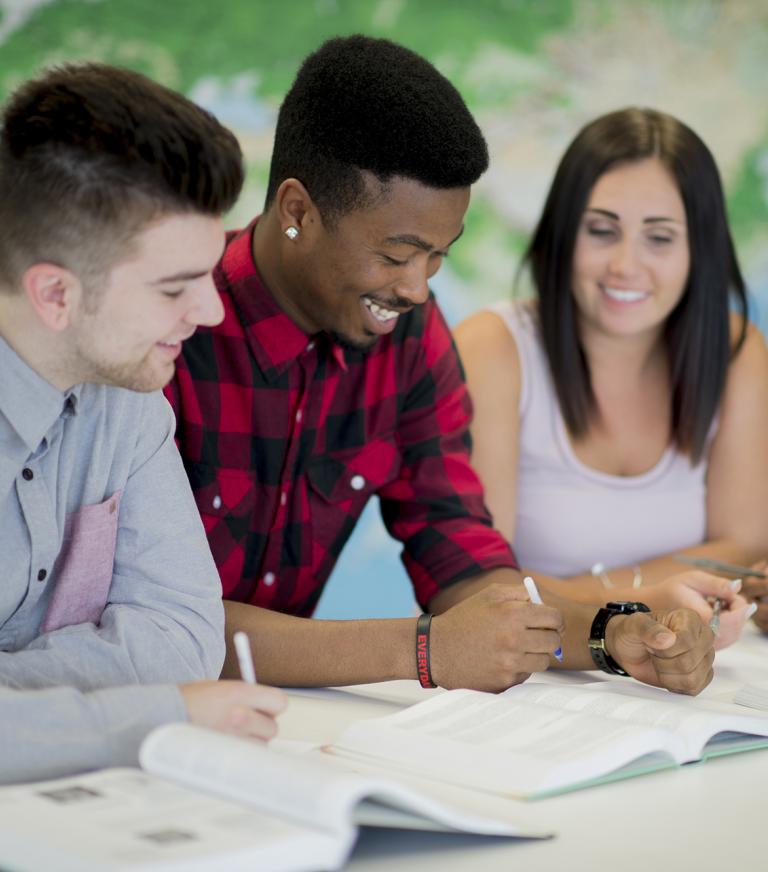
[[275, 340], [28, 402]]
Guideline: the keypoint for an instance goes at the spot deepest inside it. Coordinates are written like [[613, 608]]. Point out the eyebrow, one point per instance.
[[417, 241], [181, 277], [650, 220]]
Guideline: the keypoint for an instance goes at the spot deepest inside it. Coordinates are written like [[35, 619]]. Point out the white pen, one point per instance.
[[533, 593], [244, 657]]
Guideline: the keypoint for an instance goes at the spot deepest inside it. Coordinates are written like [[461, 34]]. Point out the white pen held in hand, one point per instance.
[[244, 657], [714, 622], [533, 593]]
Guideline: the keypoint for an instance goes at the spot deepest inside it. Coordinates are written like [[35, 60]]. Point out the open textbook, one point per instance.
[[209, 801], [537, 740]]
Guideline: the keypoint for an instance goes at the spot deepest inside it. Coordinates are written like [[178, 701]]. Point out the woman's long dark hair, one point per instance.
[[696, 334]]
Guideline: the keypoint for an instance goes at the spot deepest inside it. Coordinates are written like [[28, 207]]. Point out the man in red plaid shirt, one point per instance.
[[333, 377]]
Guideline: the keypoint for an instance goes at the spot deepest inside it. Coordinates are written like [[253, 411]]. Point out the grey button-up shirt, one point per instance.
[[105, 573]]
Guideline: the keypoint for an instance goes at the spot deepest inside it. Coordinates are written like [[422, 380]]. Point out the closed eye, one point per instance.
[[176, 292], [392, 261], [600, 232]]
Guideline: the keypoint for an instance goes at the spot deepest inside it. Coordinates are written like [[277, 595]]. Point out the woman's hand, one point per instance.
[[697, 591]]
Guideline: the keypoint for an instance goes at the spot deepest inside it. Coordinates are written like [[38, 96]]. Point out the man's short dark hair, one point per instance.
[[360, 103], [91, 153]]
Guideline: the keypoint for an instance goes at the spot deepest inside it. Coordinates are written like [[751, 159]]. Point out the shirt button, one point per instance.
[[283, 498], [310, 345], [41, 575], [269, 578], [298, 416], [357, 482], [27, 474], [217, 502]]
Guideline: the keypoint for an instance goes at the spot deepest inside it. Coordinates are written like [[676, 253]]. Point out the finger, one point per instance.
[[649, 632], [537, 617], [261, 697], [540, 641], [761, 617], [534, 663], [712, 585], [268, 699], [687, 673], [755, 588], [736, 605], [243, 721]]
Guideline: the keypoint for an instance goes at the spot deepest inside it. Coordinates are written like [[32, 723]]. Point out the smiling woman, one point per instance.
[[625, 428]]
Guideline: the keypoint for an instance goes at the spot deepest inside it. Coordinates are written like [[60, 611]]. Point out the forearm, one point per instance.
[[303, 652], [130, 645], [587, 588], [60, 731]]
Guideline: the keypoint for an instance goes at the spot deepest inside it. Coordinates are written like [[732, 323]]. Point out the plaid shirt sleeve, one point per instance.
[[435, 506]]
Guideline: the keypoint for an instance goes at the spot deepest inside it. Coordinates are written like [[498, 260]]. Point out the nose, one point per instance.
[[624, 258], [208, 310], [412, 287]]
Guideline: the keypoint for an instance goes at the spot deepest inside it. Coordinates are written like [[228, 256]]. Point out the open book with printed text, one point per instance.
[[209, 801], [541, 739]]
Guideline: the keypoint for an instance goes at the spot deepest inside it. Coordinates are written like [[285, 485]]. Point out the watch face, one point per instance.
[[627, 608]]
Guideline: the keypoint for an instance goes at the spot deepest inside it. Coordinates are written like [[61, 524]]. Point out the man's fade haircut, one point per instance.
[[89, 154], [697, 332], [360, 103]]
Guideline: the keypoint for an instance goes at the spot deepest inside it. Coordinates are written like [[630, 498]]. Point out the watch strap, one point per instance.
[[600, 656]]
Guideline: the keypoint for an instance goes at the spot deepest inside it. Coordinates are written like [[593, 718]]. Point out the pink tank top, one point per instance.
[[570, 516]]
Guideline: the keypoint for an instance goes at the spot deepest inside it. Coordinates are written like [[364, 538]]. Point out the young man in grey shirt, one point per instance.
[[111, 192]]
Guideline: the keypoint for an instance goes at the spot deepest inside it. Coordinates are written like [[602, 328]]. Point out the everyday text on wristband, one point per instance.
[[423, 669]]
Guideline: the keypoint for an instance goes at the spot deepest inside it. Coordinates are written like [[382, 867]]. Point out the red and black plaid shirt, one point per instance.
[[286, 436]]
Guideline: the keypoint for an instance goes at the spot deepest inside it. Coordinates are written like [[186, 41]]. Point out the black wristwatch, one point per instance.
[[600, 656]]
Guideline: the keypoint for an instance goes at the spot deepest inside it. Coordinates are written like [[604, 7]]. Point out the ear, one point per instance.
[[294, 207], [53, 292]]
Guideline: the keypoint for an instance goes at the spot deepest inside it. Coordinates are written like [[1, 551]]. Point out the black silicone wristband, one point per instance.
[[423, 669]]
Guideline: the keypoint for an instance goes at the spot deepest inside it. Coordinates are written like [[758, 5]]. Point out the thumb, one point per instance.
[[652, 634]]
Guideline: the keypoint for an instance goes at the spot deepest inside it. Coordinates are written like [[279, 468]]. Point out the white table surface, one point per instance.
[[710, 816]]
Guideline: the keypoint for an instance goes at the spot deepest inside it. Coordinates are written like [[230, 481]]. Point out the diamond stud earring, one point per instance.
[[291, 232]]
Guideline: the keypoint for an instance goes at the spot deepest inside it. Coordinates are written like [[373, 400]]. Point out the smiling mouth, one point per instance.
[[379, 312], [624, 296]]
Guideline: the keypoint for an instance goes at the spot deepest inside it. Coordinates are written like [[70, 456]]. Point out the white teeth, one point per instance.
[[625, 296], [379, 312]]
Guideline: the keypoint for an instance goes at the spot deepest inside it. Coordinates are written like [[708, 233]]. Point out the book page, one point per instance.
[[537, 738], [308, 791], [694, 719], [510, 746], [124, 819]]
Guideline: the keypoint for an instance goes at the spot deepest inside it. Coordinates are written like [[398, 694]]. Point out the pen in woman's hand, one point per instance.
[[714, 621]]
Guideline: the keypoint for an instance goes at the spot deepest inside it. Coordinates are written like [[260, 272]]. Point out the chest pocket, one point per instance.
[[354, 475], [83, 569], [339, 487], [223, 495]]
